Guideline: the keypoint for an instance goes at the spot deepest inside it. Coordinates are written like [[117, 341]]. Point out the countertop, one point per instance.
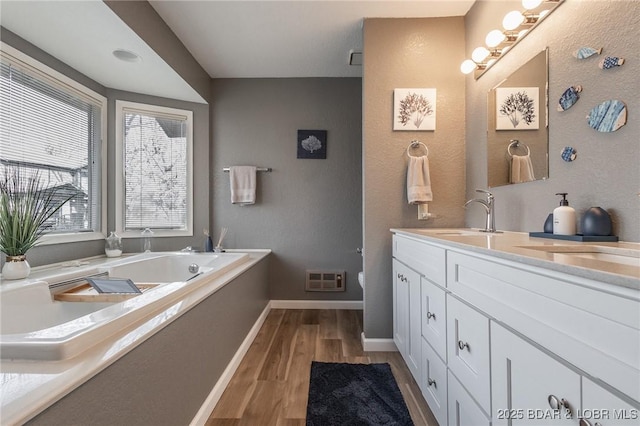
[[613, 263]]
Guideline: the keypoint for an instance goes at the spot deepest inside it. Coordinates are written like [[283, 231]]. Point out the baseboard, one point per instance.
[[316, 304], [216, 393], [378, 345]]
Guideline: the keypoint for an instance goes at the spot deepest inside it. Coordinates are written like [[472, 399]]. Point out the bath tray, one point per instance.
[[86, 293], [583, 238]]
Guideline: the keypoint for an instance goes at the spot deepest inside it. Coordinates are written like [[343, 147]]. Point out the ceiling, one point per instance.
[[247, 39], [230, 39]]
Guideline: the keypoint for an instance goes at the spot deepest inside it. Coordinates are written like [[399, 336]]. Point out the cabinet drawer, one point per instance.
[[433, 383], [525, 379], [434, 319], [603, 407], [468, 349], [463, 411], [594, 326], [427, 260]]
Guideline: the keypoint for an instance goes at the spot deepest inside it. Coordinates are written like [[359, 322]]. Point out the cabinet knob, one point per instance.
[[432, 382], [557, 404], [463, 345], [431, 315]]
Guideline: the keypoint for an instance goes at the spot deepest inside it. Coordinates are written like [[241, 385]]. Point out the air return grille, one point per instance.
[[325, 280]]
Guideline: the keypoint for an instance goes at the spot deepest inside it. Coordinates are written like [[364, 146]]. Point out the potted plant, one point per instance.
[[26, 205]]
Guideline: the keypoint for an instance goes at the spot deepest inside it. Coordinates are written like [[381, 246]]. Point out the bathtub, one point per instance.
[[35, 327]]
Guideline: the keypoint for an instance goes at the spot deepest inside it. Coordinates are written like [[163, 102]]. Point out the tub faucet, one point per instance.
[[490, 225]]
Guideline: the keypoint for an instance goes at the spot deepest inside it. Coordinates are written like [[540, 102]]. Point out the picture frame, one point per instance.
[[414, 109], [312, 144], [517, 108]]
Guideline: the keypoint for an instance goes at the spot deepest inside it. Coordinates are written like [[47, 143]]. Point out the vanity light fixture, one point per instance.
[[127, 55], [516, 26]]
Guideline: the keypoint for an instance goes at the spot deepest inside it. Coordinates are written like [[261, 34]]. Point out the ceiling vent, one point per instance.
[[355, 58]]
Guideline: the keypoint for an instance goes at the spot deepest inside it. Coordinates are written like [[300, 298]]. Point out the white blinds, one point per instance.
[[49, 128], [155, 169]]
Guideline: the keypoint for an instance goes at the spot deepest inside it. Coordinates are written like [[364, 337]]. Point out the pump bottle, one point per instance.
[[564, 217]]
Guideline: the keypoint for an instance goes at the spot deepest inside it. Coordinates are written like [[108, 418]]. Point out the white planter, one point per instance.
[[16, 268]]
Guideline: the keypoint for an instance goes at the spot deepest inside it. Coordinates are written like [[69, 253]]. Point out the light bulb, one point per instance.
[[531, 4], [494, 38], [467, 66], [512, 20], [542, 14], [522, 33], [479, 53]]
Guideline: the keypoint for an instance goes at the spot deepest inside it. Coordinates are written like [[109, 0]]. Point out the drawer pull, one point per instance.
[[402, 278], [431, 315], [431, 382], [585, 422], [463, 345], [557, 404]]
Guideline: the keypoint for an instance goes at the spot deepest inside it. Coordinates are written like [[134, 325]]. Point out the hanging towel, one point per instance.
[[243, 184], [418, 180], [521, 169]]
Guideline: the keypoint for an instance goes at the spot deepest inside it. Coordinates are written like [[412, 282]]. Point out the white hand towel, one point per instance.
[[418, 180], [521, 169], [243, 184]]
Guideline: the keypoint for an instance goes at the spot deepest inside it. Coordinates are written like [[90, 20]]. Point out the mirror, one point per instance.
[[518, 130]]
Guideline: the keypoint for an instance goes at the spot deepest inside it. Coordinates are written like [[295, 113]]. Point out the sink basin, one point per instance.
[[468, 232], [604, 253]]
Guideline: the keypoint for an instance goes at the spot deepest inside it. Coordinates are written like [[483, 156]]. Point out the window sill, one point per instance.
[[72, 237]]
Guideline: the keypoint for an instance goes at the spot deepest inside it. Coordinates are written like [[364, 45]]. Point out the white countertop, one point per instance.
[[520, 247]]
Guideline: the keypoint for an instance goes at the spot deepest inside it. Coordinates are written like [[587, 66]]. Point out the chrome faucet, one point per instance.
[[490, 225]]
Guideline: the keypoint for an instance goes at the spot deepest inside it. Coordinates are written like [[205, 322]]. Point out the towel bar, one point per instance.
[[258, 169]]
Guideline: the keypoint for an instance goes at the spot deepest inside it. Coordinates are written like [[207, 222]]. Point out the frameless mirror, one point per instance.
[[518, 131]]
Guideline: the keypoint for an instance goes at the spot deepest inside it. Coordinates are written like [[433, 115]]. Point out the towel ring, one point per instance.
[[416, 144], [516, 143]]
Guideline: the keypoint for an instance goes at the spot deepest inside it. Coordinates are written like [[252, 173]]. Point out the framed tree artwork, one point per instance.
[[312, 144], [414, 109], [517, 108]]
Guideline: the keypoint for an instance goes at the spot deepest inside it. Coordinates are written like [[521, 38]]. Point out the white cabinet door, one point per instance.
[[468, 350], [434, 320], [433, 383], [528, 385], [400, 308], [415, 324], [601, 407], [463, 411]]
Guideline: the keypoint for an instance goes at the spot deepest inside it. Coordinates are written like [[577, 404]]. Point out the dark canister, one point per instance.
[[596, 221], [548, 224]]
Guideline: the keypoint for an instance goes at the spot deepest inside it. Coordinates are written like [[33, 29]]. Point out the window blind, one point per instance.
[[155, 170], [54, 131]]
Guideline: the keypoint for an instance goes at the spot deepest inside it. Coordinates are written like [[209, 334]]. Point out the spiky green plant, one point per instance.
[[25, 206]]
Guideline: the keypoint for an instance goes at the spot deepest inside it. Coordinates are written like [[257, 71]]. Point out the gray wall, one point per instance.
[[407, 53], [309, 212], [606, 172], [166, 379], [144, 20]]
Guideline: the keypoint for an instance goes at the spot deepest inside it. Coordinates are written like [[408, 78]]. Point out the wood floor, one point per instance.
[[271, 385]]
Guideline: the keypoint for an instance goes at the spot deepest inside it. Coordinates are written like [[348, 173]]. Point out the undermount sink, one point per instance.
[[468, 232], [607, 254]]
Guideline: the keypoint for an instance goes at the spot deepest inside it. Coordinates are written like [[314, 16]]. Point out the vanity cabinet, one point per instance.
[[518, 344], [406, 314]]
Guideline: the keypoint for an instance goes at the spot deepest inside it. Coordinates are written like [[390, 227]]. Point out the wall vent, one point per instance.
[[318, 280]]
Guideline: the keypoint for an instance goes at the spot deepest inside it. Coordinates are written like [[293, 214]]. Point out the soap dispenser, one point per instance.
[[564, 217]]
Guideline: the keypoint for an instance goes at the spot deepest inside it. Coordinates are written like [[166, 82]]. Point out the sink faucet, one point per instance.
[[490, 225]]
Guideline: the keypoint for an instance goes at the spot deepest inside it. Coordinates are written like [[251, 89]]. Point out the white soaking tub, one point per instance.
[[36, 327]]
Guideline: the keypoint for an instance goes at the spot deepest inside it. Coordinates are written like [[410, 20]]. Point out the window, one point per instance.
[[53, 127], [154, 170]]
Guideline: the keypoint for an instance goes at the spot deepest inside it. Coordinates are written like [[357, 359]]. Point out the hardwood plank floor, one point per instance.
[[271, 384]]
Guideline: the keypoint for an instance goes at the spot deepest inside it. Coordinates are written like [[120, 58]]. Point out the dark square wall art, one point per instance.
[[312, 144]]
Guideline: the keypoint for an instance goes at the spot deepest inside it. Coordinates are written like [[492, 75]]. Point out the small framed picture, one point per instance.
[[414, 109], [312, 144], [517, 108]]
